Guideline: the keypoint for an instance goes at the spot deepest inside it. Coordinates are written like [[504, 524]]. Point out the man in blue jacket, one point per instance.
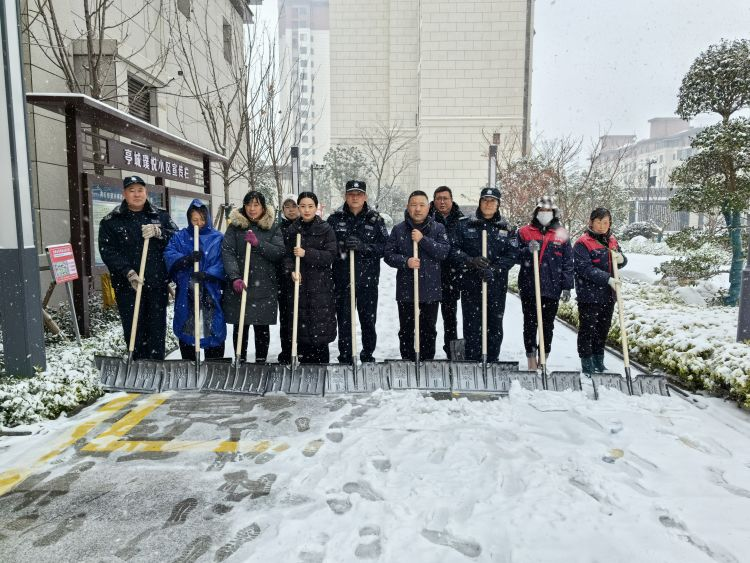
[[502, 255], [446, 211], [434, 247], [121, 236], [361, 229]]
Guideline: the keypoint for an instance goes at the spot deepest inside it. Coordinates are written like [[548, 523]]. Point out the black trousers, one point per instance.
[[152, 322], [262, 340], [427, 331], [449, 311], [188, 351], [471, 307], [594, 320], [313, 353], [367, 311], [285, 325], [549, 311]]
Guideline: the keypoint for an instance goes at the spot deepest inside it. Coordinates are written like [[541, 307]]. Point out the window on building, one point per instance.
[[227, 33], [304, 138], [184, 7], [303, 50], [139, 99], [303, 63]]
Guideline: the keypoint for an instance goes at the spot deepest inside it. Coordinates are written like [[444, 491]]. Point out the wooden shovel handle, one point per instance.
[[196, 294], [296, 299], [137, 309], [538, 296], [415, 251], [353, 304], [621, 311], [243, 301], [484, 298]]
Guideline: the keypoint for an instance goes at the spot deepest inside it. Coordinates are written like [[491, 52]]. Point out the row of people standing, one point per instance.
[[450, 267]]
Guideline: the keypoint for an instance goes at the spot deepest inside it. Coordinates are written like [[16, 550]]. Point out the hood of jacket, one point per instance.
[[202, 208], [238, 218]]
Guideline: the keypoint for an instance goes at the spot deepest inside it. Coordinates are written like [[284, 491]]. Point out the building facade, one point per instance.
[[449, 74]]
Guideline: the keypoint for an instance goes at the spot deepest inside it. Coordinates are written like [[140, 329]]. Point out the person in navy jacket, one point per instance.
[[555, 273], [433, 247], [502, 255], [595, 288]]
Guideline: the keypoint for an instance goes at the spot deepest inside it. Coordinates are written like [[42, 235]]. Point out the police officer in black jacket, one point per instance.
[[362, 229], [446, 212], [121, 236], [502, 255]]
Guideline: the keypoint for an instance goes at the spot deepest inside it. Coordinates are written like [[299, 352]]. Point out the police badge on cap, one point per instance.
[[356, 186]]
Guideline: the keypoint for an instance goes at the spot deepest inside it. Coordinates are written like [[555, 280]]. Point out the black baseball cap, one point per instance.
[[130, 180], [490, 192], [356, 186]]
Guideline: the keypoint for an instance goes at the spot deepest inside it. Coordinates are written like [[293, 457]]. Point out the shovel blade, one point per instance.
[[112, 372], [610, 381], [340, 380], [650, 384], [307, 379], [467, 376], [180, 376], [143, 376], [371, 377], [401, 374], [223, 377], [564, 380], [435, 376]]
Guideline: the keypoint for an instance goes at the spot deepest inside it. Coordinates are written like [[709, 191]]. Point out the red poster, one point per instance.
[[62, 263]]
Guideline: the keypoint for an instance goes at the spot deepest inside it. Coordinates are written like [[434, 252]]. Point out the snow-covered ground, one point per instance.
[[396, 476]]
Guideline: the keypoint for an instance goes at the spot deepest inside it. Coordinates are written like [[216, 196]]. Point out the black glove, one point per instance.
[[197, 255], [486, 274], [478, 263], [198, 277], [353, 243]]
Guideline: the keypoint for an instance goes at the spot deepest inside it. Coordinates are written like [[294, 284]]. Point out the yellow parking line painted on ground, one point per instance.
[[133, 418], [165, 446], [12, 477]]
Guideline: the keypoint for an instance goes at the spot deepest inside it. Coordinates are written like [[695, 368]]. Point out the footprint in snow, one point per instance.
[[131, 549], [371, 548], [336, 405], [682, 532], [363, 489], [302, 424], [279, 418], [465, 547], [70, 524], [335, 436], [314, 553], [194, 550], [242, 537], [339, 503], [382, 464], [717, 477], [181, 511], [312, 448]]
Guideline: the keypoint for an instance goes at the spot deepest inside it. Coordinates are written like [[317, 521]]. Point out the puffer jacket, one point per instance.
[[593, 267]]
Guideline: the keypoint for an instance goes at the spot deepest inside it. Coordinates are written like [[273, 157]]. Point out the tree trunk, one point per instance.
[[732, 219]]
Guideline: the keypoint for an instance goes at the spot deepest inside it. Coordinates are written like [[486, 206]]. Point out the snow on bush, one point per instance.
[[71, 378], [642, 245]]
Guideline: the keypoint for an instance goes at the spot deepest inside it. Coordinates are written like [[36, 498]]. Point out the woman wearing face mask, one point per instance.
[[595, 288], [253, 223], [555, 274], [316, 321]]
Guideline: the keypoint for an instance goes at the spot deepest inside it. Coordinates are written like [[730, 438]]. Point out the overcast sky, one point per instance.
[[614, 64]]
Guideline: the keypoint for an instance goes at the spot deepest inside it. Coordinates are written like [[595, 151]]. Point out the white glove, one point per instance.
[[134, 280], [614, 283], [151, 230], [619, 258]]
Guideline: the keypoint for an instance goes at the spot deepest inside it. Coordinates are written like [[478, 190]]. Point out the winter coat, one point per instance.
[[261, 305], [316, 324], [178, 257], [433, 249], [450, 273], [555, 260], [593, 268], [369, 227], [121, 245], [284, 280], [502, 253]]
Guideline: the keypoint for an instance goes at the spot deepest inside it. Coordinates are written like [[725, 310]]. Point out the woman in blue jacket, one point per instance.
[[595, 288], [180, 258]]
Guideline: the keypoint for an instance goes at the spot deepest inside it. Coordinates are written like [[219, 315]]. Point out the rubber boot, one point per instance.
[[599, 366], [587, 366]]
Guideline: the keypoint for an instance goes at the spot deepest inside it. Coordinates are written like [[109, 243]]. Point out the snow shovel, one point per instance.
[[144, 376], [239, 377], [306, 379], [655, 384], [342, 379], [404, 374]]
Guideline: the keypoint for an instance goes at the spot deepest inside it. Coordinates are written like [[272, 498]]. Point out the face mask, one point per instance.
[[545, 217]]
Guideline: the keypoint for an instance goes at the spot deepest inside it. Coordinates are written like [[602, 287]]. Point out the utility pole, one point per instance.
[[649, 163]]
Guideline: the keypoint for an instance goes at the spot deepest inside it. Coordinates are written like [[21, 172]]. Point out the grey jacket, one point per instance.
[[262, 285]]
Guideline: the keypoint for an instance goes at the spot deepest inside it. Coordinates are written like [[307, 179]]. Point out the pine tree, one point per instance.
[[717, 176]]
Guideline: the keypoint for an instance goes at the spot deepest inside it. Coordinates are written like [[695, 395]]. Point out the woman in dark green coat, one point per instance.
[[253, 223]]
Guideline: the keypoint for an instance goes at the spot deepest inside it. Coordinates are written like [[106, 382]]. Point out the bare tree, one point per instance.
[[389, 152]]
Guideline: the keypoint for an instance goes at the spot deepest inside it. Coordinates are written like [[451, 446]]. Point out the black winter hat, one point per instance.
[[356, 186], [490, 192]]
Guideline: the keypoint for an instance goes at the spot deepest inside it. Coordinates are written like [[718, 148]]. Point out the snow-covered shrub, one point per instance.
[[699, 264], [643, 229], [642, 245]]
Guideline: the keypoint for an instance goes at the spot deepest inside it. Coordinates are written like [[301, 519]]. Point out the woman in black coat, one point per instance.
[[316, 321]]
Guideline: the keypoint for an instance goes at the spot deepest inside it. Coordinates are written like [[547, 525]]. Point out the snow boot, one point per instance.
[[598, 361], [587, 366]]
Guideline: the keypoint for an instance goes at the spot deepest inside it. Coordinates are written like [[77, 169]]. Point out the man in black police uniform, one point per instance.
[[445, 211], [363, 230], [121, 236]]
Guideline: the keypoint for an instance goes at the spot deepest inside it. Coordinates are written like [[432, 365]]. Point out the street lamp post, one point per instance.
[[313, 168], [649, 163]]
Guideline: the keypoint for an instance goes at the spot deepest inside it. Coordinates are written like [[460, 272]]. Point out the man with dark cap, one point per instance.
[[446, 212], [361, 229], [502, 255], [121, 236]]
